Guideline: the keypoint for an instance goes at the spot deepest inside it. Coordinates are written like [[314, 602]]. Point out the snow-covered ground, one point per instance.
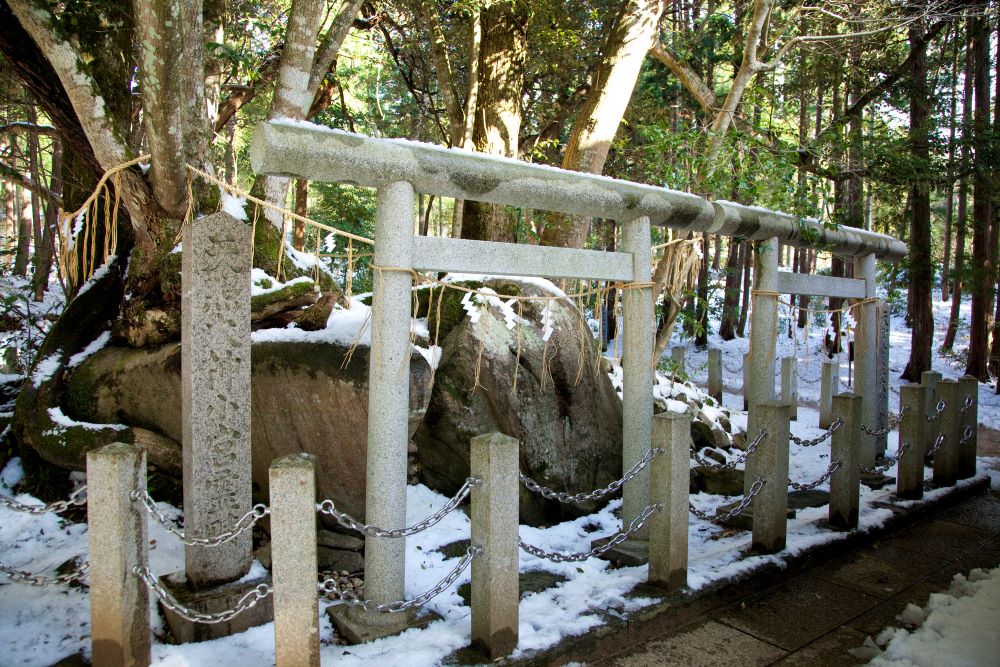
[[955, 627], [38, 626]]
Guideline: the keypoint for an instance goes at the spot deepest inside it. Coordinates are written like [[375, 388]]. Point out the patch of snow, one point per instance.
[[45, 369], [95, 346], [61, 420], [96, 276], [234, 206], [958, 627]]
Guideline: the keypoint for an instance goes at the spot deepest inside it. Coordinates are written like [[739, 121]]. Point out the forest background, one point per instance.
[[865, 113]]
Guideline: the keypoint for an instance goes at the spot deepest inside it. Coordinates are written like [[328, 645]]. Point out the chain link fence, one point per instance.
[[941, 405], [245, 522], [833, 467], [32, 579], [747, 500], [597, 494], [250, 599], [330, 586], [559, 557], [828, 433], [76, 499], [347, 521], [889, 462], [739, 460], [893, 423]]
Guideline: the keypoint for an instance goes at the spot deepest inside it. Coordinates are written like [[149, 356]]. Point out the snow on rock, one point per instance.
[[95, 346], [234, 206]]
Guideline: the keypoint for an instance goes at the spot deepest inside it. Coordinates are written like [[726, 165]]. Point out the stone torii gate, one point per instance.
[[398, 169]]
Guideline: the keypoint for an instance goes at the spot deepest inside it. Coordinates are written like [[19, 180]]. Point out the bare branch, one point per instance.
[[11, 175], [694, 84]]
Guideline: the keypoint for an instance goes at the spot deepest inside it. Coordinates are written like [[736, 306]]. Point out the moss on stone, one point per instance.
[[289, 291]]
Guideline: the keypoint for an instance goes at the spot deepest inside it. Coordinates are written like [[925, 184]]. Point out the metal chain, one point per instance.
[[331, 587], [941, 405], [619, 537], [348, 521], [729, 465], [966, 435], [244, 523], [891, 461], [968, 403], [77, 498], [596, 494], [937, 445], [23, 577], [834, 427], [755, 488], [834, 467], [731, 369], [249, 600], [893, 423]]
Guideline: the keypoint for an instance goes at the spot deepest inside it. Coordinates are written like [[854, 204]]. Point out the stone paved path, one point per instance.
[[816, 617]]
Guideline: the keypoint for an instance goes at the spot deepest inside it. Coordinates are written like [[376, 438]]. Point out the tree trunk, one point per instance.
[[498, 117], [981, 275], [730, 299], [921, 273], [994, 362], [627, 41], [301, 208], [746, 256], [24, 227], [701, 312], [46, 249]]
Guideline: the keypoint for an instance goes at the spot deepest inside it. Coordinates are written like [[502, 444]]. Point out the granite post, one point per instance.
[[769, 462], [669, 482], [930, 380], [495, 585], [677, 356], [845, 482], [215, 394], [294, 561], [389, 401], [950, 425], [764, 318], [637, 370], [746, 381], [715, 374], [116, 543], [910, 469], [790, 385], [866, 370], [828, 388], [968, 388]]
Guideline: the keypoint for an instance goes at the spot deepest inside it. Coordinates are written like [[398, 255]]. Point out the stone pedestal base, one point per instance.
[[212, 601], [876, 481], [358, 626], [629, 553]]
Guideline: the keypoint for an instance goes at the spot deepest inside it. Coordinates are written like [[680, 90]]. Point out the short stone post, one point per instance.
[[930, 379], [669, 482], [866, 371], [715, 374], [769, 462], [294, 561], [215, 394], [968, 388], [910, 469], [637, 370], [950, 425], [845, 482], [116, 543], [790, 385], [677, 356], [746, 381], [828, 388], [495, 587]]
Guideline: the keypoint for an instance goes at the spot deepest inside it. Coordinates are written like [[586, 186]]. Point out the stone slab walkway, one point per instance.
[[816, 617]]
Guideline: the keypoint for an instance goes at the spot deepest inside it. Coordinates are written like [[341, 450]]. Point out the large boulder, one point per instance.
[[563, 408], [305, 398]]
